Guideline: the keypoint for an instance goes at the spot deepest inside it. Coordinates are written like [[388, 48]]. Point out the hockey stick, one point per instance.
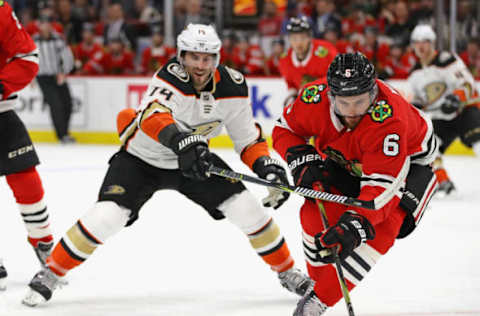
[[318, 195], [338, 264]]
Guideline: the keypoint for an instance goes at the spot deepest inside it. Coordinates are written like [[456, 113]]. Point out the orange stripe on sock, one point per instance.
[[60, 261], [34, 241], [441, 175], [280, 260]]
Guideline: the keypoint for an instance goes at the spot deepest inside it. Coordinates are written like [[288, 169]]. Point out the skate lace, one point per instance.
[[48, 279], [293, 278]]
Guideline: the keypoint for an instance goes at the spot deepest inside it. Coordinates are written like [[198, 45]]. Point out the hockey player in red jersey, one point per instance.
[[370, 143], [306, 60], [165, 146], [445, 89], [18, 67]]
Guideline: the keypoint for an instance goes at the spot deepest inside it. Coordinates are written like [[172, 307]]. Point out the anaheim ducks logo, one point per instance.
[[115, 189], [312, 94], [381, 111], [321, 51]]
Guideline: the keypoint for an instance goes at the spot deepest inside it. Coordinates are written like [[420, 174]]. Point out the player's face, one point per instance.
[[300, 43], [200, 66], [352, 108], [423, 49]]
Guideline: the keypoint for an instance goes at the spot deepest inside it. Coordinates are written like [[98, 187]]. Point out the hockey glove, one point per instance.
[[271, 170], [193, 155], [306, 165], [451, 104], [351, 230]]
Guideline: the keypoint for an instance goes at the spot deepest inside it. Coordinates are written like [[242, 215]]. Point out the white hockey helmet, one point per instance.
[[423, 32], [199, 38]]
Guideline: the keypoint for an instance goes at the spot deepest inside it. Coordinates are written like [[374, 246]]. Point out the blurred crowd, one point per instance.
[[115, 37]]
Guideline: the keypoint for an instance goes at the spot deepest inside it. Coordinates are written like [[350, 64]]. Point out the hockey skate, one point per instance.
[[42, 251], [445, 188], [3, 277], [295, 281], [310, 304], [41, 287]]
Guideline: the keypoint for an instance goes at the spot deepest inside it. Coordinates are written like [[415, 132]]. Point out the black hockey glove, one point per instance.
[[193, 155], [271, 170], [351, 230], [451, 104], [306, 165]]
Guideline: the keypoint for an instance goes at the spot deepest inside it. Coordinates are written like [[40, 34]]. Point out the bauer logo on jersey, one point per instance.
[[311, 94], [115, 189], [321, 51], [381, 111]]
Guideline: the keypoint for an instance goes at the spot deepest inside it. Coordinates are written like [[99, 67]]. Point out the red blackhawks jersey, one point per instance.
[[391, 136], [18, 56], [297, 73]]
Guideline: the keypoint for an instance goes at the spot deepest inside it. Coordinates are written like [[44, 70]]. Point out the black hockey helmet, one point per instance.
[[298, 25], [351, 74]]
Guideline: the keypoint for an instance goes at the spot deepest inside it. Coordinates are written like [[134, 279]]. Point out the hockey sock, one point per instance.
[[271, 247], [75, 247], [442, 175], [28, 191]]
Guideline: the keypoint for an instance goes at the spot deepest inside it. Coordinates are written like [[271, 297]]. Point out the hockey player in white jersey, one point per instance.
[[165, 146], [445, 89]]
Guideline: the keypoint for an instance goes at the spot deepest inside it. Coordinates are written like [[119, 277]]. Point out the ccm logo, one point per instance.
[[20, 151]]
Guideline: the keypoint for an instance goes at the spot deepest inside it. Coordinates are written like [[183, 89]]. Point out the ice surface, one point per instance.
[[177, 261]]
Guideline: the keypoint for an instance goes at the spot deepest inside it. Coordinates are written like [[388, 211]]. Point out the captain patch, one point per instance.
[[381, 111], [311, 94]]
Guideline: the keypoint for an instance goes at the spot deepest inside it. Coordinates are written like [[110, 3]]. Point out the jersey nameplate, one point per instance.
[[178, 71], [236, 76], [312, 94], [381, 111]]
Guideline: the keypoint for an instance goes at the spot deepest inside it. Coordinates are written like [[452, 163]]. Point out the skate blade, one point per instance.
[[33, 298]]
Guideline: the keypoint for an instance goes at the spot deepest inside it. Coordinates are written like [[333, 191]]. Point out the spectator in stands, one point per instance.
[[386, 16], [145, 13], [278, 49], [467, 26], [324, 15], [357, 21], [247, 57], [193, 14], [476, 68], [402, 26], [45, 9], [117, 27], [269, 26], [227, 49], [143, 16], [155, 56], [87, 48], [372, 48], [424, 14], [72, 27], [395, 66], [469, 55], [118, 60], [180, 12], [332, 35], [83, 11]]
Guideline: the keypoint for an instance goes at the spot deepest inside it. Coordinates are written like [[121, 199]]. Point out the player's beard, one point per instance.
[[200, 78]]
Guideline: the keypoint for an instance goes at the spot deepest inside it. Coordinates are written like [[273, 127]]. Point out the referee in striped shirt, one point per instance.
[[56, 61]]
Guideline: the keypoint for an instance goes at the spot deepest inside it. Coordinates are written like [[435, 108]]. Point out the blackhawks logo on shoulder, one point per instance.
[[311, 94], [321, 51], [381, 111]]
